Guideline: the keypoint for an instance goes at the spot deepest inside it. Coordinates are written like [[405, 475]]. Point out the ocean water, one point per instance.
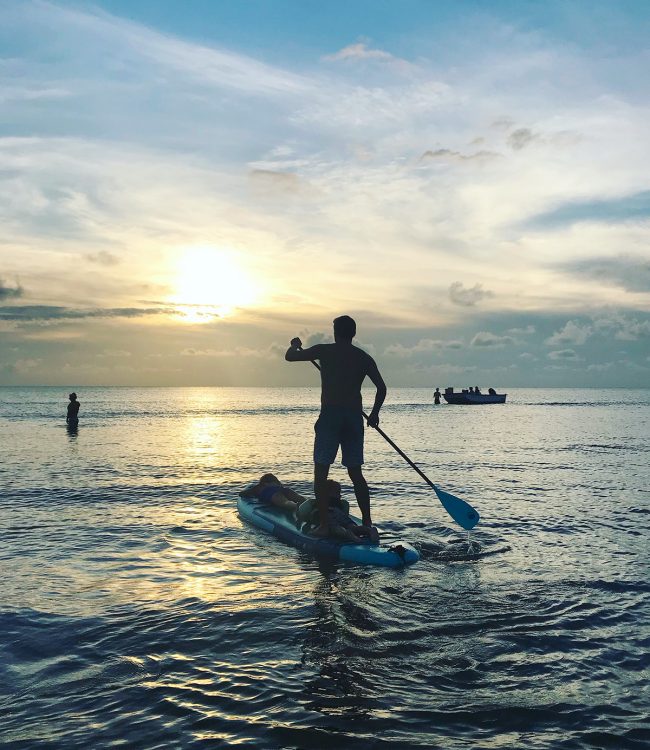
[[138, 611]]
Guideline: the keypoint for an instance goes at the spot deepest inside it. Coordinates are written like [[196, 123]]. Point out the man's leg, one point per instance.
[[361, 492], [320, 492], [326, 445]]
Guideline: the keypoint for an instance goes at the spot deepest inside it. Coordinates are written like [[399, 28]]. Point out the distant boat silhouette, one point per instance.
[[465, 397]]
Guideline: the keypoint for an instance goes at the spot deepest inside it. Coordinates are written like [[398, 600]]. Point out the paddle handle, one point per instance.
[[392, 444]]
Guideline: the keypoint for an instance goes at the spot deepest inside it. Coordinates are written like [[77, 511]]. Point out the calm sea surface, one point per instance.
[[138, 611]]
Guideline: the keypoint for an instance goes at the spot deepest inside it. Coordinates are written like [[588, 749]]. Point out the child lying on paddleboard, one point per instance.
[[341, 526], [270, 491]]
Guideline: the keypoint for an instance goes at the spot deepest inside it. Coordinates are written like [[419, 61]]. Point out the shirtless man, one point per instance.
[[72, 417], [343, 369]]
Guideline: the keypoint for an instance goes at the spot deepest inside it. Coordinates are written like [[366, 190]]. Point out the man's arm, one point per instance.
[[296, 354], [374, 375]]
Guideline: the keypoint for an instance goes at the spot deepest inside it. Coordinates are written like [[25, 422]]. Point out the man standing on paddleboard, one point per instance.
[[343, 369]]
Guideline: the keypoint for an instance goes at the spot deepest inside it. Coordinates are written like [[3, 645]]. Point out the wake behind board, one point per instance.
[[276, 522]]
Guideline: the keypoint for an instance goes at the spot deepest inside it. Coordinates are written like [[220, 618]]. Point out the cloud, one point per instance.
[[572, 333], [21, 366], [46, 334], [115, 353], [269, 181], [521, 138], [633, 330], [358, 51], [30, 93], [361, 51], [10, 292], [103, 258], [601, 367], [423, 345], [311, 338], [616, 366], [445, 154], [469, 297], [441, 370], [140, 183], [632, 273], [527, 331], [237, 351], [567, 354], [503, 123], [621, 326], [29, 313], [630, 207], [487, 339], [210, 65]]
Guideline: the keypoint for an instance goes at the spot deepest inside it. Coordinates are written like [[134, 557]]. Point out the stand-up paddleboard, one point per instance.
[[278, 523]]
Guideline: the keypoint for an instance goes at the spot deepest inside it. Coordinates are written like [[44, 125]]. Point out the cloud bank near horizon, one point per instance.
[[438, 197]]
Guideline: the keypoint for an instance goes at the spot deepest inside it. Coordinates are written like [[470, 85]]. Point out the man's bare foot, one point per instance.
[[373, 534], [320, 531], [350, 536]]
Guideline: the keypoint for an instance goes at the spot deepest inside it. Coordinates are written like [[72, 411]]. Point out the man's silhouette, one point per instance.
[[72, 418], [343, 369]]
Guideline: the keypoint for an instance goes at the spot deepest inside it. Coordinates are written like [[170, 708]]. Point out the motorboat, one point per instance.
[[472, 397]]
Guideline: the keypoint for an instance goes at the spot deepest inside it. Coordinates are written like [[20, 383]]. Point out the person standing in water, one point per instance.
[[436, 396], [72, 418], [343, 368]]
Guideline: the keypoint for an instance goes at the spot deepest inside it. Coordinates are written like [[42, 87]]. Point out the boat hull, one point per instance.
[[474, 398]]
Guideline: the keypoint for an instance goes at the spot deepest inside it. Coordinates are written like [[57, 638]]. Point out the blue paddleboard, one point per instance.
[[276, 522]]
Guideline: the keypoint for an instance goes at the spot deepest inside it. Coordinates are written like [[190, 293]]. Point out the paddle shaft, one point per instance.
[[392, 444]]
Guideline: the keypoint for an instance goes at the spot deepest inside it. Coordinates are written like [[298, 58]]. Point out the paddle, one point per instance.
[[462, 512]]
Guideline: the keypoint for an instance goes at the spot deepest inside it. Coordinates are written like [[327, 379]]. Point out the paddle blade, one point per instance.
[[458, 509]]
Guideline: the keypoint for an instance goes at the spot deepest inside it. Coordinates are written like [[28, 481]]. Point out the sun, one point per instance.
[[210, 282]]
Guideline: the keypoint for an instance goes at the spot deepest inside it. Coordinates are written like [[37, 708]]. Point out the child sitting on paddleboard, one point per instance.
[[341, 526], [270, 491]]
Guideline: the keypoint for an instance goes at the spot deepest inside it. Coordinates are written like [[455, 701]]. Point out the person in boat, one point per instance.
[[476, 390], [471, 390], [270, 491], [341, 526], [72, 417], [343, 367], [492, 392], [436, 396]]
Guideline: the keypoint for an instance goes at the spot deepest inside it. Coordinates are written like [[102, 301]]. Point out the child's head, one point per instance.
[[333, 492], [269, 479]]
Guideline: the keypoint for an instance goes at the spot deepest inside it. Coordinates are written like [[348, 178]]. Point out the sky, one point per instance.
[[184, 187]]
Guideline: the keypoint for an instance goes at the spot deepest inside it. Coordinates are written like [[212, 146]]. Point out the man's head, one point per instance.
[[269, 479], [73, 397], [345, 329]]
